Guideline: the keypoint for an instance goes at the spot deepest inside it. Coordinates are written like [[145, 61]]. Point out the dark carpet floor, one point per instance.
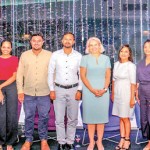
[[107, 144]]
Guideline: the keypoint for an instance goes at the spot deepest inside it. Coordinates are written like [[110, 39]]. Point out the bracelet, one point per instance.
[[105, 89]]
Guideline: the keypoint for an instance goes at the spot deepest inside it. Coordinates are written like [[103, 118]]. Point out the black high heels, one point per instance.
[[129, 146], [118, 147]]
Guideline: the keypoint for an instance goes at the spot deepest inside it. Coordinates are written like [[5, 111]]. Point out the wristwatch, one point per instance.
[[105, 89]]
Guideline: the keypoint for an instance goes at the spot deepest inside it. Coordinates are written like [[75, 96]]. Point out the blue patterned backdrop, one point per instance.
[[115, 22]]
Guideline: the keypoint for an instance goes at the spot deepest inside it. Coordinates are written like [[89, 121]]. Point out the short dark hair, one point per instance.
[[68, 33], [130, 52], [37, 34]]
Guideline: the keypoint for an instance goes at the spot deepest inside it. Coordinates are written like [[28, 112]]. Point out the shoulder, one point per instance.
[[105, 57], [14, 58], [141, 62], [131, 66], [47, 52], [116, 63], [77, 53], [28, 52]]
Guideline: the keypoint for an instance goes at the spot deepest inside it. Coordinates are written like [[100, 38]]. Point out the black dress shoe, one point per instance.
[[70, 147], [61, 147]]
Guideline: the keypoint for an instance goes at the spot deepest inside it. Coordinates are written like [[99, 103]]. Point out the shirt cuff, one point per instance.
[[52, 88], [79, 87]]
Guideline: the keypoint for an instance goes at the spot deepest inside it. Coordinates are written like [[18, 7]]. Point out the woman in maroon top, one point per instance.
[[8, 96]]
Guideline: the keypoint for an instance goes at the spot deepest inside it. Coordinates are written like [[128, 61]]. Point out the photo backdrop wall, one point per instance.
[[115, 22]]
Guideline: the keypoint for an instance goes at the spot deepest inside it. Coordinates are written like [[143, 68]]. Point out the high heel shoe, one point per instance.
[[129, 146], [118, 147]]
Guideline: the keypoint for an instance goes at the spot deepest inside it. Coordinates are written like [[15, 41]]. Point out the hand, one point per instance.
[[132, 103], [1, 97], [21, 97], [52, 95], [112, 97], [101, 92], [78, 96], [95, 92], [137, 96]]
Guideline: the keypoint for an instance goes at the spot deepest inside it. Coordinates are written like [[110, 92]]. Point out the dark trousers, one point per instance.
[[144, 96], [8, 115], [42, 105]]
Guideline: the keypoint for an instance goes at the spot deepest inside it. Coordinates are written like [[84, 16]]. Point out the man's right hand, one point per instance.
[[21, 97], [52, 95]]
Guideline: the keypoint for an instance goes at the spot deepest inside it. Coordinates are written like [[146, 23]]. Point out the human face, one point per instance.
[[37, 43], [124, 54], [68, 41], [6, 48], [147, 48], [94, 47]]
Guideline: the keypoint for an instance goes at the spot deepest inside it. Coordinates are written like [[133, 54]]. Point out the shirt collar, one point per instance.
[[72, 52]]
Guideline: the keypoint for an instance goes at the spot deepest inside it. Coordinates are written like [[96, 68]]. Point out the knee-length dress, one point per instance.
[[124, 74], [95, 109]]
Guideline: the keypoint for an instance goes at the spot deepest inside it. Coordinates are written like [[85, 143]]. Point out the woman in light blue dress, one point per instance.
[[95, 75]]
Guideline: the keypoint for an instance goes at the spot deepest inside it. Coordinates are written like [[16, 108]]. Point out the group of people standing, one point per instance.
[[63, 76]]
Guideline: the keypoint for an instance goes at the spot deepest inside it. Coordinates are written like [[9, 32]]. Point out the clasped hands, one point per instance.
[[98, 93]]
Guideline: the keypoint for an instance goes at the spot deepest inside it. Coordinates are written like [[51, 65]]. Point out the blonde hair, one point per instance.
[[98, 41]]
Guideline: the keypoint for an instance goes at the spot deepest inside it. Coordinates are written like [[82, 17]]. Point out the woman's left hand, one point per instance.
[[132, 103], [1, 97], [101, 92]]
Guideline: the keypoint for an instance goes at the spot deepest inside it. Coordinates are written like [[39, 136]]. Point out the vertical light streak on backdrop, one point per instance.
[[44, 24], [120, 22], [141, 27], [50, 22], [12, 25], [127, 22], [113, 35], [107, 22], [94, 18], [102, 22], [56, 23], [86, 21], [82, 31], [134, 24]]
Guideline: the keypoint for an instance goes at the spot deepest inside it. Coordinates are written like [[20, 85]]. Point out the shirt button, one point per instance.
[[66, 67], [66, 79]]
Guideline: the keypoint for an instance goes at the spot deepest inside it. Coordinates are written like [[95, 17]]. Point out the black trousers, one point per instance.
[[8, 115]]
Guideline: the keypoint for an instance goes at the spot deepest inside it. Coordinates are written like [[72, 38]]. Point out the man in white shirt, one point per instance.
[[65, 89]]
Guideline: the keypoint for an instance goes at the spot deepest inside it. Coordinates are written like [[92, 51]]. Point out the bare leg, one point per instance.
[[127, 125], [91, 132], [122, 134], [100, 132]]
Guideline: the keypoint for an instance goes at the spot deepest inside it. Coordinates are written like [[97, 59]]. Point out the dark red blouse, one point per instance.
[[7, 67]]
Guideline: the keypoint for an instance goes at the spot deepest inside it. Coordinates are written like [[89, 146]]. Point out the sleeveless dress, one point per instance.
[[95, 109]]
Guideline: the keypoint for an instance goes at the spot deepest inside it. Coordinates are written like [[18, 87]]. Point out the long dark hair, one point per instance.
[[130, 52], [6, 40]]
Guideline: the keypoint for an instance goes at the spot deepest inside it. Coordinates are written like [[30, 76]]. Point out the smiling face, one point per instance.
[[6, 48], [37, 43], [147, 48], [68, 41], [124, 54], [94, 47]]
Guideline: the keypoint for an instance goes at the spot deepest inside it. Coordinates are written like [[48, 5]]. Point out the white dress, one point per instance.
[[123, 75]]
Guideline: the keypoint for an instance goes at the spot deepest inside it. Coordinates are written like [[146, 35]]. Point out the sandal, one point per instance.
[[118, 147], [129, 146]]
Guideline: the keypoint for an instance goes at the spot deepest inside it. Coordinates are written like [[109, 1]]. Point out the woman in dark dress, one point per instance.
[[143, 92]]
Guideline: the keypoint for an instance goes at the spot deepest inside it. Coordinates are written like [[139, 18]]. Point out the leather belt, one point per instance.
[[66, 86]]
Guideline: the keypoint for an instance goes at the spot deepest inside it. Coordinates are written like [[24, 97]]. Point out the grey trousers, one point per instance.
[[65, 104]]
